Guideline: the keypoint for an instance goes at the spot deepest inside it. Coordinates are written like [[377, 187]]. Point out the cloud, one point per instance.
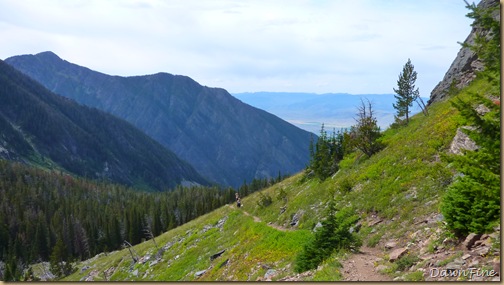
[[313, 46]]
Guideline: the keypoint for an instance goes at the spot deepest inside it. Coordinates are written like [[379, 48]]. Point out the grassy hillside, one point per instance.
[[396, 193]]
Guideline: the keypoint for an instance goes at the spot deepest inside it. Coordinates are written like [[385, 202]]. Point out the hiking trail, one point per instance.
[[360, 266], [258, 220]]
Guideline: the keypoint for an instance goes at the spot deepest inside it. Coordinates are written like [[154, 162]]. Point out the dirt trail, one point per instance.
[[360, 266], [258, 220]]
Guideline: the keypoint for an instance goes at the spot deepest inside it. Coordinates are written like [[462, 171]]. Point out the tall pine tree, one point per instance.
[[406, 92]]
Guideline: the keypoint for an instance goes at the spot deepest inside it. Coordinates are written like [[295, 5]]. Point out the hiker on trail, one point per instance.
[[238, 201]]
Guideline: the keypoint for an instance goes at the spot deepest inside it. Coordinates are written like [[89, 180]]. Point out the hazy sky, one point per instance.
[[322, 46]]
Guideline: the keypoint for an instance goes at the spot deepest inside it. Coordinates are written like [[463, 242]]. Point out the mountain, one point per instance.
[[40, 127], [225, 140], [309, 110]]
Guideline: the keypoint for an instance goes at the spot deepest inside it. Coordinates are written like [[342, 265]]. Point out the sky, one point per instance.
[[316, 46]]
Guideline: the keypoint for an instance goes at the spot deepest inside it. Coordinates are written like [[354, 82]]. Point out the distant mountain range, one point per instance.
[[309, 110], [39, 127], [225, 140]]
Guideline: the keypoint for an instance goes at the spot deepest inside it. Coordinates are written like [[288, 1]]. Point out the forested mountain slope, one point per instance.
[[224, 139], [43, 128]]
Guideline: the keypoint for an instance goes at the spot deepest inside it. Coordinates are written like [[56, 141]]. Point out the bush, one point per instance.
[[406, 262], [345, 186], [333, 235], [469, 206], [282, 195], [264, 200]]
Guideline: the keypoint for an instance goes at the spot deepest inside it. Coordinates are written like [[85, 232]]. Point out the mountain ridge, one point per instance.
[[82, 140], [226, 140]]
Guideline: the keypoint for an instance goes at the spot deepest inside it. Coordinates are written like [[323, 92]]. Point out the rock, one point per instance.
[[448, 241], [224, 263], [397, 253], [461, 142], [482, 109], [456, 264], [199, 273], [214, 256], [466, 256], [220, 223], [381, 267], [295, 219], [283, 209], [356, 228], [473, 263], [482, 251], [470, 240], [497, 267], [154, 262], [390, 244], [135, 273], [317, 226], [466, 64], [375, 222], [270, 274]]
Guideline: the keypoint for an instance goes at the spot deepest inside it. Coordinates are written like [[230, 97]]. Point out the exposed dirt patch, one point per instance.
[[360, 266]]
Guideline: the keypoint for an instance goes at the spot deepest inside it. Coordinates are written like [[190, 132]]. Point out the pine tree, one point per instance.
[[59, 264], [472, 202], [365, 135], [406, 92]]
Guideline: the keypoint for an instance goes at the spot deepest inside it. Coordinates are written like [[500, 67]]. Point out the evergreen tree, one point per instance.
[[59, 264], [472, 202], [333, 235], [365, 135], [406, 92]]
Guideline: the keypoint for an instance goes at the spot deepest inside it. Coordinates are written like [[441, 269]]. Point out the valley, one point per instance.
[[160, 178]]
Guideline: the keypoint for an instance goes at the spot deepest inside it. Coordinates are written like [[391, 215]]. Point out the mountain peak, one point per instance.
[[48, 55]]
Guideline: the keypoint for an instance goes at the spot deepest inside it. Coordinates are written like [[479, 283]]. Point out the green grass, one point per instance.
[[403, 181]]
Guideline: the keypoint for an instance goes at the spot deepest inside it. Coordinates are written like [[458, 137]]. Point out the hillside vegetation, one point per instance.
[[396, 194]]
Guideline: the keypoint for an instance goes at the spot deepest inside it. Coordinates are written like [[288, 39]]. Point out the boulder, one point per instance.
[[214, 256], [199, 273], [462, 142], [397, 253], [470, 240]]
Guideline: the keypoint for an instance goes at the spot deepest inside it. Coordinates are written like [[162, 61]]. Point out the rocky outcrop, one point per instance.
[[462, 142], [463, 69]]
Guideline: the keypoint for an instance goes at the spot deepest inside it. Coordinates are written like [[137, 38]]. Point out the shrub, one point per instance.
[[333, 235], [264, 200], [406, 262]]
